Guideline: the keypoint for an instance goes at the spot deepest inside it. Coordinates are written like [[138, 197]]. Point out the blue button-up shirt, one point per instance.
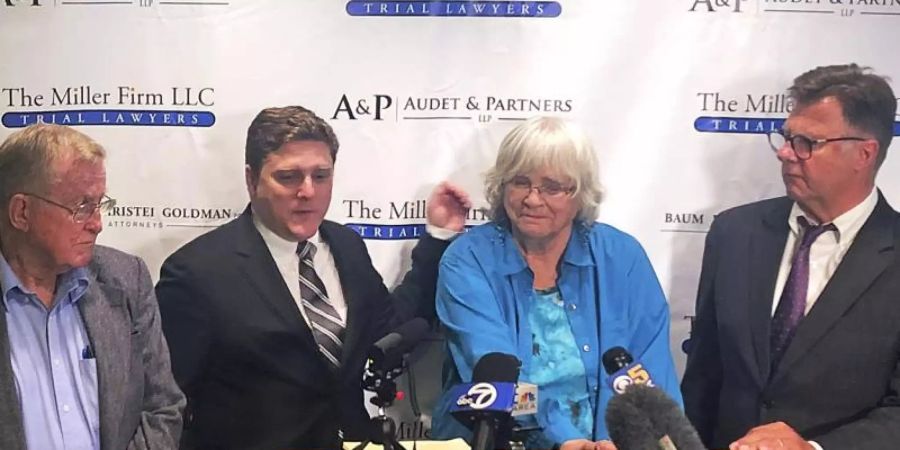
[[611, 298], [53, 363]]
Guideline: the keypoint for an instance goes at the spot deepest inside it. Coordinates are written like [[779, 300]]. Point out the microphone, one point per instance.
[[526, 404], [385, 361], [623, 371], [524, 398], [387, 353], [644, 417], [487, 402]]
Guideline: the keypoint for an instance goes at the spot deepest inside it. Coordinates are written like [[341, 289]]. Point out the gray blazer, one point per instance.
[[140, 404]]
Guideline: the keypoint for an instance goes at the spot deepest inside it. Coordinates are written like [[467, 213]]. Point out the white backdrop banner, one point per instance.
[[676, 95]]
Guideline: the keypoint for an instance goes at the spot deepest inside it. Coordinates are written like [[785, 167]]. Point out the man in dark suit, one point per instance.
[[270, 316], [83, 361], [796, 344]]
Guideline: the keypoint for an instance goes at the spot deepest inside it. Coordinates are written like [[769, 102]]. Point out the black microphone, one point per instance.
[[615, 359], [387, 353], [384, 364], [486, 404], [629, 428], [623, 371], [642, 416]]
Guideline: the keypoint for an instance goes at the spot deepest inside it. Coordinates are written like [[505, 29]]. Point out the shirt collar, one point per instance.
[[8, 280], [279, 246], [72, 283], [577, 252], [847, 224]]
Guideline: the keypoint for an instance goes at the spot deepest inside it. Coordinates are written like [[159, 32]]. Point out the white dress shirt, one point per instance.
[[284, 252], [826, 252]]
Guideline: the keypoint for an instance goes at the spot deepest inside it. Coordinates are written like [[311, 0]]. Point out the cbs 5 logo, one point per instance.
[[635, 374]]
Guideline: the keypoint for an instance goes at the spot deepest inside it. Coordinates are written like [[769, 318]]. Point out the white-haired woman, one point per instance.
[[546, 283]]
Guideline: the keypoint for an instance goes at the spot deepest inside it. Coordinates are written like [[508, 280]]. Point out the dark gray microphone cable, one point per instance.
[[413, 395]]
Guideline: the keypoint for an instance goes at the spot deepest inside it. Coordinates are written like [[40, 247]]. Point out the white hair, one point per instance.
[[553, 143]]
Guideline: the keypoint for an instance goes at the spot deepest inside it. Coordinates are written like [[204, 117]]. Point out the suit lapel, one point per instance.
[[869, 255], [108, 325], [766, 250], [257, 264], [12, 434]]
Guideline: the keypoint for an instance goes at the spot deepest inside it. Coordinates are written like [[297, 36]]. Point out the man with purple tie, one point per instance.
[[797, 336]]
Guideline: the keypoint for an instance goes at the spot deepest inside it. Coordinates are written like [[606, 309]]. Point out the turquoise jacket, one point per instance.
[[612, 298]]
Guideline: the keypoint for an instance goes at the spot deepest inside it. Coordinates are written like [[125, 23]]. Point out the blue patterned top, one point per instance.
[[557, 368]]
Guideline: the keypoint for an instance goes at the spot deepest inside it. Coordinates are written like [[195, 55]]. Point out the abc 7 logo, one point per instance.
[[481, 395], [621, 382]]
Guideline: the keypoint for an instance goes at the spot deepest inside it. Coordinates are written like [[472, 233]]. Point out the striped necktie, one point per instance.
[[326, 325]]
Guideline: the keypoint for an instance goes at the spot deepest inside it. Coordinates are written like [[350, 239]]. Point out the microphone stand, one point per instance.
[[520, 434], [383, 429]]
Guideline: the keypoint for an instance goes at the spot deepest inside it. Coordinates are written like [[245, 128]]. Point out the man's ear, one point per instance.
[[867, 154], [251, 179], [19, 213]]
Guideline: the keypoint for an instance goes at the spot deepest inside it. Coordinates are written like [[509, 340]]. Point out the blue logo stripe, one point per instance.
[[454, 9], [114, 117], [379, 232], [739, 125], [746, 125], [387, 232]]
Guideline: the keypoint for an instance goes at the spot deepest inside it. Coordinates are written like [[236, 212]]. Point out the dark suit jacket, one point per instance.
[[245, 357], [839, 380], [140, 404]]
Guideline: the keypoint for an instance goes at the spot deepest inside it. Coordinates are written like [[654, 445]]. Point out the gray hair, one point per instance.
[[27, 156], [546, 142], [866, 99]]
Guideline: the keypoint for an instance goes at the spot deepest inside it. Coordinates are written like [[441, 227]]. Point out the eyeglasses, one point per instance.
[[85, 210], [802, 145], [521, 185]]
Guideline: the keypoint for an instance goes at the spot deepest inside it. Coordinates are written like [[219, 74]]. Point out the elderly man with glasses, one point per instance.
[[83, 362], [796, 343]]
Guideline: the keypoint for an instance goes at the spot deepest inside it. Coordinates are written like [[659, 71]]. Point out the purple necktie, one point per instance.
[[792, 306]]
